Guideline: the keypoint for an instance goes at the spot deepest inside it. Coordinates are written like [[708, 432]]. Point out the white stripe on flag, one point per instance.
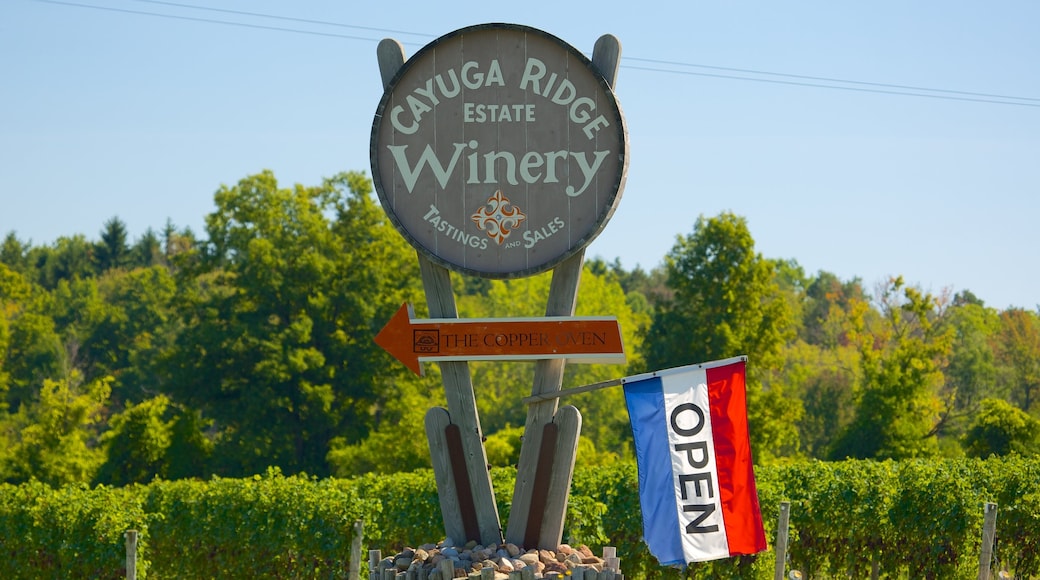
[[695, 474]]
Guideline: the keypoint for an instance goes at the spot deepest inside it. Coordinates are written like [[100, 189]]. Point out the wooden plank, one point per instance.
[[467, 510], [548, 378], [437, 421], [458, 386], [563, 295], [462, 407], [542, 479], [568, 421], [390, 55]]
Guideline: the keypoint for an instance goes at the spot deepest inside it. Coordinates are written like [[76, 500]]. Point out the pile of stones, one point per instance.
[[445, 561]]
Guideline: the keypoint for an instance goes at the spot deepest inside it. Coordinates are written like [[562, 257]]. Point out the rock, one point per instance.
[[513, 550], [557, 567], [594, 563], [529, 558], [546, 556], [586, 551]]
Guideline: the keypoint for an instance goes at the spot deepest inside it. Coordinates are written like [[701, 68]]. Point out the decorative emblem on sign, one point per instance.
[[494, 108], [498, 217], [426, 341]]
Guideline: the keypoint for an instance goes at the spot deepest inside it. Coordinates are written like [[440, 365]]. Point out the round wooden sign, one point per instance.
[[499, 150]]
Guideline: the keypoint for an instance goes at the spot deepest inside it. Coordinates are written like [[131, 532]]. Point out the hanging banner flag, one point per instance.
[[696, 482]]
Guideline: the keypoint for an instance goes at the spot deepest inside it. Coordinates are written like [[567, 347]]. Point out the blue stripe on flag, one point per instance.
[[646, 409]]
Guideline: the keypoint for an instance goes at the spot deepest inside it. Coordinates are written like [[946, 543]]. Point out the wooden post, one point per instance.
[[374, 556], [989, 530], [548, 378], [447, 568], [610, 559], [355, 551], [781, 540], [131, 554], [458, 385]]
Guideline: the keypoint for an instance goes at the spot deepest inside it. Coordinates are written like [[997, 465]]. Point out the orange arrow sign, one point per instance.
[[588, 339]]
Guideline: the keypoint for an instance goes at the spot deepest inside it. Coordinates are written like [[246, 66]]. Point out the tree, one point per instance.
[[1018, 350], [898, 407], [828, 300], [15, 253], [31, 348], [726, 302], [726, 299], [136, 444], [1000, 428], [279, 316], [112, 251], [147, 251], [56, 439], [70, 258], [970, 370]]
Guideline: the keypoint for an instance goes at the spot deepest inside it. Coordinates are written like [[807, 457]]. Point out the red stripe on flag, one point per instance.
[[727, 398]]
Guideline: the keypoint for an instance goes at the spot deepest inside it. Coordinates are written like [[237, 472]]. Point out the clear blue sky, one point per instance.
[[109, 110]]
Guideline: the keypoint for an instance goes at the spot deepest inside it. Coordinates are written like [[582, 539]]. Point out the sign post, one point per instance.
[[500, 151]]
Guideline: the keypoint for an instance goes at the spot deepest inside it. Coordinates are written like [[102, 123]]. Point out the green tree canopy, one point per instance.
[[726, 301], [1000, 428], [898, 407], [277, 343]]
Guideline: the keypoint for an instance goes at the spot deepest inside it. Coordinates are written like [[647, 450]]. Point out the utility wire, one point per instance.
[[861, 86], [208, 20], [825, 79], [287, 18], [841, 88]]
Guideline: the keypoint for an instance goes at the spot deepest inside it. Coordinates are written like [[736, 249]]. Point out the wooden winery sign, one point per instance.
[[577, 339], [498, 150]]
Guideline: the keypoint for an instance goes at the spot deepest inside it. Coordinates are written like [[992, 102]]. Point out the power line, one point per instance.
[[287, 18], [841, 88], [207, 20], [860, 86], [827, 79]]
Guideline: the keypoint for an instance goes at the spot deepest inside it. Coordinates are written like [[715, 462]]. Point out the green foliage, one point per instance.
[[912, 519], [136, 445], [726, 299], [898, 408], [54, 435], [727, 302], [1000, 428], [70, 532], [503, 446], [258, 334], [261, 527], [1018, 346], [277, 343]]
